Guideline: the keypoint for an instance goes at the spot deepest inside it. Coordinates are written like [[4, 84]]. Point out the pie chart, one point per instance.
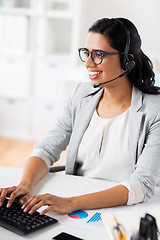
[[78, 215]]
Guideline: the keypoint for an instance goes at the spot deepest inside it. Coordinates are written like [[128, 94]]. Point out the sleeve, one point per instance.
[[142, 182], [136, 194], [56, 141]]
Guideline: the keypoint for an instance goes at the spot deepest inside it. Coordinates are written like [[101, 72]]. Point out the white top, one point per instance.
[[104, 151]]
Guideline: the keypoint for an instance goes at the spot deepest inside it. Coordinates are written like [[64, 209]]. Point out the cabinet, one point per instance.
[[14, 76], [46, 109], [14, 117], [38, 49]]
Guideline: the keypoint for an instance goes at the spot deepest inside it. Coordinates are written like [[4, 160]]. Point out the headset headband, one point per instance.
[[126, 52]]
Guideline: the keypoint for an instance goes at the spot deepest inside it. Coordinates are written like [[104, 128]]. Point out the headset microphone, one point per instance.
[[123, 74], [129, 66]]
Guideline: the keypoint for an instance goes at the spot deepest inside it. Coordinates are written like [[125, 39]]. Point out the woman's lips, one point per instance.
[[94, 74]]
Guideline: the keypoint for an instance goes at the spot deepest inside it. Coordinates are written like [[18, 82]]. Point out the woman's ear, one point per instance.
[[131, 55]]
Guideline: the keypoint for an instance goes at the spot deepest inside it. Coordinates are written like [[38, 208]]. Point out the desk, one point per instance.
[[63, 185]]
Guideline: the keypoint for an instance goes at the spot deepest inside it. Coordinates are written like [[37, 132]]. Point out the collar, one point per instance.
[[136, 101], [137, 97]]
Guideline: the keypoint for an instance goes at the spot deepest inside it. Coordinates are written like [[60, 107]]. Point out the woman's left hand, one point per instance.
[[56, 204]]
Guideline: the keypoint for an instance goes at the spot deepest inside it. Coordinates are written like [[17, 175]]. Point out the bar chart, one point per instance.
[[95, 218]]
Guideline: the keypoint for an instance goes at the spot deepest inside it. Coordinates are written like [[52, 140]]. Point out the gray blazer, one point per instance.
[[144, 138]]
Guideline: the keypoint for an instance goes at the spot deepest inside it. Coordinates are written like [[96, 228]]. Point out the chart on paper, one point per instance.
[[93, 219], [78, 214], [96, 220], [86, 219]]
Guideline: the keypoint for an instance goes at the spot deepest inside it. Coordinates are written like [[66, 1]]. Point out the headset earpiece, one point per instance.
[[130, 63]]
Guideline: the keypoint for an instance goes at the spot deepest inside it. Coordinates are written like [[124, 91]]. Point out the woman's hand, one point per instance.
[[54, 203], [22, 192]]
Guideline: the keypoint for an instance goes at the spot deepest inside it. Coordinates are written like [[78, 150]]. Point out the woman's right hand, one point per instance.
[[30, 177], [21, 192]]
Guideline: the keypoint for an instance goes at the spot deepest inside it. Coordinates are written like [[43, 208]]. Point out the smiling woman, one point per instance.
[[113, 132]]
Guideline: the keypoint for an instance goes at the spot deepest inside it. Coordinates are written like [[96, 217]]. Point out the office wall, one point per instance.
[[145, 15]]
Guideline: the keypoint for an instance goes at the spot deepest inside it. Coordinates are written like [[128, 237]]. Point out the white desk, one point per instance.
[[63, 185]]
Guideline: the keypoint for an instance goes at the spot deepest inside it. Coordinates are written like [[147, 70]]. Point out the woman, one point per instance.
[[113, 131]]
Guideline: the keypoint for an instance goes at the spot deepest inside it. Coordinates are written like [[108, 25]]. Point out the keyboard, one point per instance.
[[15, 220]]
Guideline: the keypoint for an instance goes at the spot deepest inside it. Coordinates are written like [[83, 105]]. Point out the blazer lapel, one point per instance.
[[135, 118], [88, 106]]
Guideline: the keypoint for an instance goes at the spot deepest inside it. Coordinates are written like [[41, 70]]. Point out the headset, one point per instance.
[[128, 62]]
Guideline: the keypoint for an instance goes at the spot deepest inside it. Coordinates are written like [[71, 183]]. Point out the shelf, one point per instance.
[[60, 58], [38, 49], [14, 97], [59, 14], [16, 11]]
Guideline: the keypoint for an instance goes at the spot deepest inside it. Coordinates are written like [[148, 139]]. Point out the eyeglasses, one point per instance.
[[96, 55]]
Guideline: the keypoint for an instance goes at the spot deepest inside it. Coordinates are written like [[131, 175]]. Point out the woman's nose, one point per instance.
[[89, 62]]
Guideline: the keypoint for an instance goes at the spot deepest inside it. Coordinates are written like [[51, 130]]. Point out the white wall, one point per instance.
[[145, 14]]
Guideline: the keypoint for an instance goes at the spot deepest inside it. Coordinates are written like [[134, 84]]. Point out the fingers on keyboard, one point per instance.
[[5, 192]]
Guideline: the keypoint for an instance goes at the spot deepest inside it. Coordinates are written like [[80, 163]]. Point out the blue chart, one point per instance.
[[95, 218], [78, 215]]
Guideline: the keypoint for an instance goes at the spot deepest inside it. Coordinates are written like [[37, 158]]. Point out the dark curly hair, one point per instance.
[[142, 75]]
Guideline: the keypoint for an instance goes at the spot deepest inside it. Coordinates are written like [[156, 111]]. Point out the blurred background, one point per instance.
[[39, 65]]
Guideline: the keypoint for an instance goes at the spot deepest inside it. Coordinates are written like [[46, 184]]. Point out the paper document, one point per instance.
[[90, 220]]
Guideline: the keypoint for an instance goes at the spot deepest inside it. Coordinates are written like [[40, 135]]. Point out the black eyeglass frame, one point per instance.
[[96, 50]]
